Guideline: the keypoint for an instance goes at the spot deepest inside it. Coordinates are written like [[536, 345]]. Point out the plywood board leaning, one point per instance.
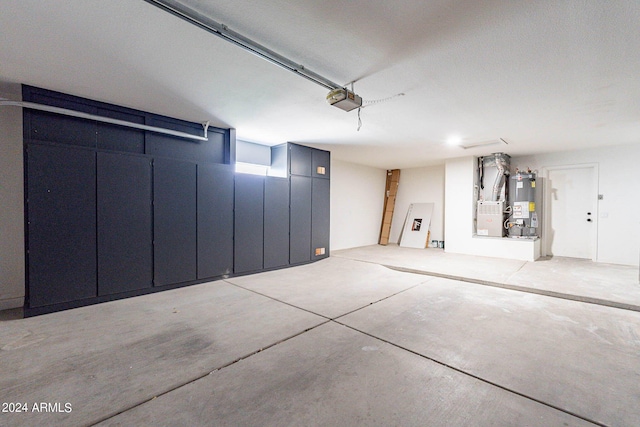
[[391, 190], [415, 233]]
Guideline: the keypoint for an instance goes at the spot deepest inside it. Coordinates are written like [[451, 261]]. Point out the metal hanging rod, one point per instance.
[[245, 43], [103, 119]]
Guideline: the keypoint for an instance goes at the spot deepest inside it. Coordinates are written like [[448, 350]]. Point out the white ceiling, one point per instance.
[[543, 75]]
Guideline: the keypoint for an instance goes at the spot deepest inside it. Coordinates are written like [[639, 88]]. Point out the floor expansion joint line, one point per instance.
[[469, 374], [201, 376], [375, 302], [552, 294], [276, 299], [518, 270], [322, 315], [358, 260]]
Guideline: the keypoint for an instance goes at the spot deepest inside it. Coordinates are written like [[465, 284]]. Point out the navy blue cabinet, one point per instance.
[[118, 138], [276, 222], [61, 225], [215, 220], [125, 247], [161, 145], [175, 221], [320, 213], [310, 203], [114, 211], [300, 220], [249, 223], [299, 160], [320, 164]]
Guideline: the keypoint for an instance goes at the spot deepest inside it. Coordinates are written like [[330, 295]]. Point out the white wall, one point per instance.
[[12, 267], [357, 199], [618, 219], [420, 185], [458, 217]]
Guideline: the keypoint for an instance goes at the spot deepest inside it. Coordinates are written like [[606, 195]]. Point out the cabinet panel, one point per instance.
[[212, 151], [61, 227], [120, 138], [215, 220], [52, 127], [321, 164], [299, 160], [320, 214], [249, 226], [300, 220], [276, 222], [125, 248], [175, 247]]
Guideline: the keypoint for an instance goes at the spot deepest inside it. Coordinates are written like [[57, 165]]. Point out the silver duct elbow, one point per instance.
[[499, 181]]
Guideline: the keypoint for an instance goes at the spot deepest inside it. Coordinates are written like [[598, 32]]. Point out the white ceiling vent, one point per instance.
[[484, 143]]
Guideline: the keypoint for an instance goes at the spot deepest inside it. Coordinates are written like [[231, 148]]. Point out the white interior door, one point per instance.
[[572, 202]]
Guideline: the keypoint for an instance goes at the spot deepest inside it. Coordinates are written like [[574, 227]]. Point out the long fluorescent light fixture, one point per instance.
[[483, 143], [222, 31]]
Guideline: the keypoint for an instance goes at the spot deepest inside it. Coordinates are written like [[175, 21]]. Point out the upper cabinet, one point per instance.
[[310, 203], [320, 164], [300, 160], [307, 161], [47, 127]]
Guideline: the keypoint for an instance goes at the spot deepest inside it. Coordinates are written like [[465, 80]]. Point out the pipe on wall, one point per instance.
[[79, 114]]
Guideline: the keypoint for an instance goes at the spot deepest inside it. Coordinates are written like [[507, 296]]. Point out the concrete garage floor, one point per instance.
[[571, 278], [344, 341]]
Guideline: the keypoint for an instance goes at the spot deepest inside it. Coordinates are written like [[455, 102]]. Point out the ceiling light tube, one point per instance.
[[483, 143]]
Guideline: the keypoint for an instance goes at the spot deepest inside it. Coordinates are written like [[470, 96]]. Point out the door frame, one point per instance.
[[546, 227]]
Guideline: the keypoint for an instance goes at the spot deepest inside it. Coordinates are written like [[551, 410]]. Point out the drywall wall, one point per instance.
[[420, 185], [12, 266], [357, 199], [459, 198], [459, 210], [618, 222]]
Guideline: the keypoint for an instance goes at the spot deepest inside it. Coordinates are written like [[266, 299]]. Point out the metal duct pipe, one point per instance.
[[499, 182]]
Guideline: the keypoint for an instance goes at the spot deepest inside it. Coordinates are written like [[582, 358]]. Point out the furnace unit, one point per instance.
[[490, 217], [493, 172]]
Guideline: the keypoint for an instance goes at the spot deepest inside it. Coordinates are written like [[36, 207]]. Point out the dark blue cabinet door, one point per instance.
[[215, 220], [125, 247], [300, 220], [276, 222], [249, 223], [61, 229], [175, 223], [299, 160], [321, 164], [320, 213]]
